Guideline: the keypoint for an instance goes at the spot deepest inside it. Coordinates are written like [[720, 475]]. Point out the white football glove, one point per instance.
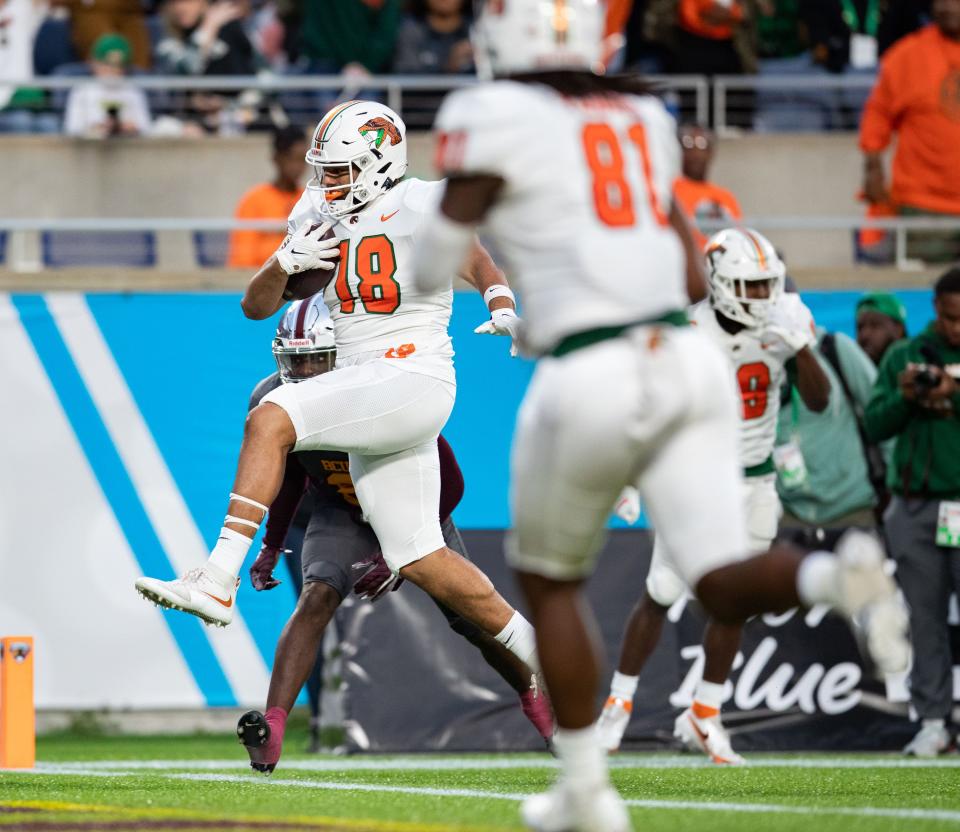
[[792, 322], [627, 507], [304, 250], [504, 321]]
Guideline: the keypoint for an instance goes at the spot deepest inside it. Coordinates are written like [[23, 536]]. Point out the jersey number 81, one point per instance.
[[612, 197]]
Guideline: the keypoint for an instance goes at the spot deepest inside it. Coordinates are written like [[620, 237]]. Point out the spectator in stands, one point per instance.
[[881, 322], [434, 38], [917, 400], [830, 476], [22, 110], [352, 38], [700, 198], [917, 96], [208, 38], [106, 106], [717, 37], [89, 19], [649, 29], [271, 200], [355, 37], [204, 38]]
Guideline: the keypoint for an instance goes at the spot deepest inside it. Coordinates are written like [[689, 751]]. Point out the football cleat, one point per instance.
[[206, 592], [931, 740], [535, 704], [868, 597], [564, 809], [262, 744], [613, 722], [708, 736]]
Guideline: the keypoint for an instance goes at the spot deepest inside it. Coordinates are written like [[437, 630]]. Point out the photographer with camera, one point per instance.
[[917, 400]]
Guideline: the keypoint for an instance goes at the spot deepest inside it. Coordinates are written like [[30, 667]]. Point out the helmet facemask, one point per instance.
[[344, 197], [730, 297], [737, 260], [299, 358], [303, 346]]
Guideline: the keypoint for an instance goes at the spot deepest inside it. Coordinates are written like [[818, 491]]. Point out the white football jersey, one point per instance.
[[582, 220], [376, 308], [760, 366]]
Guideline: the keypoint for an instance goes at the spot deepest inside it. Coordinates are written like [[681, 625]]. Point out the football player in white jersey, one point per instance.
[[391, 390], [570, 173], [762, 331]]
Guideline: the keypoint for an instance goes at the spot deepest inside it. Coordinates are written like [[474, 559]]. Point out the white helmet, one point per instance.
[[365, 138], [735, 257], [303, 346], [531, 35]]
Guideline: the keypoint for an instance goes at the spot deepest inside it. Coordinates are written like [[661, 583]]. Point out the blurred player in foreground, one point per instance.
[[571, 173], [766, 335], [340, 550], [392, 388]]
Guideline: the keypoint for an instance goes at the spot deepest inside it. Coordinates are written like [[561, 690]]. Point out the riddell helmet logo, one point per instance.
[[384, 128]]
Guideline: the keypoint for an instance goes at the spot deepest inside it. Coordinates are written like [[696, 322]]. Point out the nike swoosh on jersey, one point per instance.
[[385, 217], [228, 603]]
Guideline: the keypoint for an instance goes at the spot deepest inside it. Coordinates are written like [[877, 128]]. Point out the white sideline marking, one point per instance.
[[427, 763], [938, 815]]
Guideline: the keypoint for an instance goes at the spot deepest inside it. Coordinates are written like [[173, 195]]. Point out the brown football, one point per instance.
[[308, 283]]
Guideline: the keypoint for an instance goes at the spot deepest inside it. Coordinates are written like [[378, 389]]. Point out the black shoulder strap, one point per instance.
[[876, 465]]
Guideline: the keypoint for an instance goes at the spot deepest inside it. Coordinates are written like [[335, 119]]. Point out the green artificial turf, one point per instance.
[[75, 789]]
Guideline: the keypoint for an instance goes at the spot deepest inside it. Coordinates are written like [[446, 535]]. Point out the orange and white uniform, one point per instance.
[[624, 392], [393, 385]]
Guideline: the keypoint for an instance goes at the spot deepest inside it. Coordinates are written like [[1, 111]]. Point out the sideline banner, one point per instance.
[[798, 683]]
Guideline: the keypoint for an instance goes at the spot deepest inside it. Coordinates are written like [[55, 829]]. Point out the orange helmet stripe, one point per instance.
[[561, 23], [322, 129], [756, 244]]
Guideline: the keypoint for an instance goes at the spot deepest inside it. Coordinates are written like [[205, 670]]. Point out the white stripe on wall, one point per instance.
[[171, 519]]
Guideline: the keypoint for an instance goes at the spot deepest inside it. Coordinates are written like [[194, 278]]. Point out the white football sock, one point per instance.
[[818, 579], [582, 759], [624, 687], [709, 694], [520, 639], [229, 552]]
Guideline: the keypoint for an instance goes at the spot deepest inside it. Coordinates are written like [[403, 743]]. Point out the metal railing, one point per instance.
[[701, 98], [18, 228], [396, 89]]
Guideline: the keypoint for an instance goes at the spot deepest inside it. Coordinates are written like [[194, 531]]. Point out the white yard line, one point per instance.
[[935, 815], [429, 763]]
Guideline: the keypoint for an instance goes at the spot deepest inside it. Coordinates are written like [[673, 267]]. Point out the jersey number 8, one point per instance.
[[612, 196], [376, 265]]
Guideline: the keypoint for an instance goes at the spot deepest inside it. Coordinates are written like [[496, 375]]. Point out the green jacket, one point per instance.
[[344, 31], [926, 459]]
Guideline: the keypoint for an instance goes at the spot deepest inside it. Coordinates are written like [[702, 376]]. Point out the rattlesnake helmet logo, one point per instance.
[[950, 95], [384, 128]]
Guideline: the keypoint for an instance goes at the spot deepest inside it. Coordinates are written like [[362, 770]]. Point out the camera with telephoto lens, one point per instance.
[[928, 375], [925, 379]]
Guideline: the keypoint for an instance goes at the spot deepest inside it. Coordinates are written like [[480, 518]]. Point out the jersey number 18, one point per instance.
[[375, 266]]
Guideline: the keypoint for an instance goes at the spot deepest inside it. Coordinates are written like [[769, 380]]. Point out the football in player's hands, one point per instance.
[[307, 284], [309, 256]]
